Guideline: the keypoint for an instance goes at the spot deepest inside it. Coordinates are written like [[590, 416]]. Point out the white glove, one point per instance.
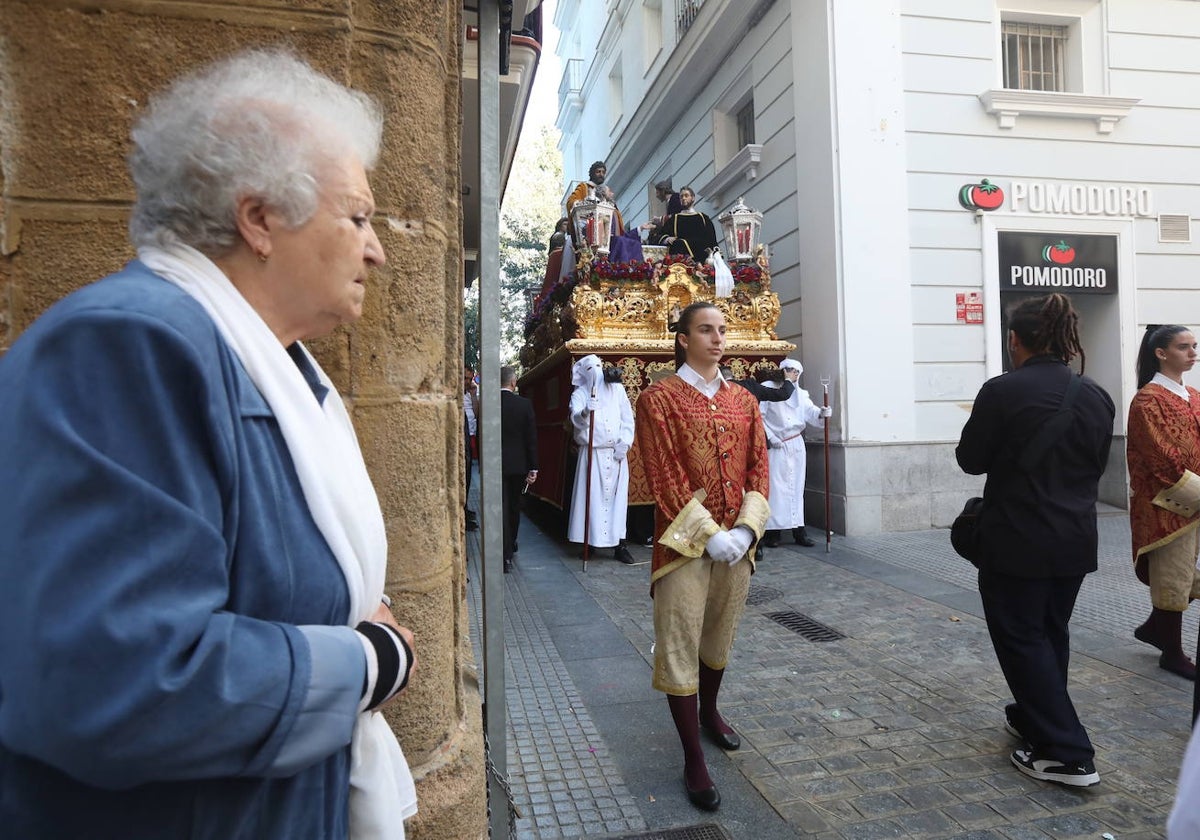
[[729, 546], [826, 411], [619, 451], [773, 442], [593, 404]]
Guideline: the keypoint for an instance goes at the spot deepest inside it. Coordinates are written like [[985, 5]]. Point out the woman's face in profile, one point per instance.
[[321, 267], [1179, 356]]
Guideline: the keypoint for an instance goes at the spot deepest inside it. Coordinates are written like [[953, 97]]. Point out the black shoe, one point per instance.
[[726, 742], [801, 537], [472, 525], [758, 553], [1050, 770], [771, 539], [622, 554], [648, 542], [508, 565], [1179, 665], [708, 799]]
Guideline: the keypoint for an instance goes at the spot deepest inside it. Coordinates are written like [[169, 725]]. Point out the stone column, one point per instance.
[[73, 76]]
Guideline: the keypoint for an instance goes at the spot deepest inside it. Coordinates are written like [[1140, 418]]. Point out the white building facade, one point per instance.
[[864, 132]]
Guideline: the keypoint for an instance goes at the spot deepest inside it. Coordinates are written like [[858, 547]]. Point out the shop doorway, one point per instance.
[[1085, 268]]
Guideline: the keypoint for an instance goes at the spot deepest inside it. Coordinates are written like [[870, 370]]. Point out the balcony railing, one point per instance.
[[570, 87], [685, 16]]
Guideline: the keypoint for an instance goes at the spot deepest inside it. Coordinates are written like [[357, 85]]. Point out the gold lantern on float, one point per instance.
[[591, 222], [743, 229]]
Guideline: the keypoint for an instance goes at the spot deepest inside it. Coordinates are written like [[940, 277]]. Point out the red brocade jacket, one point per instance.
[[701, 453], [1163, 452]]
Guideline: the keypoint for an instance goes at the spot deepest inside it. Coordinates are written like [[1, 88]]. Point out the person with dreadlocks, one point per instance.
[[1163, 452], [705, 455], [1041, 434]]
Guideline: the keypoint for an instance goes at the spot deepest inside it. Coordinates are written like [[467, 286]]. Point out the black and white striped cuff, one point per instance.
[[389, 661]]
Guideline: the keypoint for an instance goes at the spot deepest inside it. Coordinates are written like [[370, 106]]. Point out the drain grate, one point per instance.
[[708, 831], [761, 594], [809, 628]]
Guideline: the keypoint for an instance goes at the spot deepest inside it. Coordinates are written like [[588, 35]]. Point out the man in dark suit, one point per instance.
[[518, 455], [1038, 527]]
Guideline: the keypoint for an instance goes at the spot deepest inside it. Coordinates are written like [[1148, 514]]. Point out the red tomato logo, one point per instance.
[[1062, 253], [982, 196]]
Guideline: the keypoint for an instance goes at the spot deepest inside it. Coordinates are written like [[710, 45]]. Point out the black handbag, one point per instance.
[[964, 531]]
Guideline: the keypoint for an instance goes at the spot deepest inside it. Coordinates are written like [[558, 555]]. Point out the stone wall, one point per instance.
[[73, 76]]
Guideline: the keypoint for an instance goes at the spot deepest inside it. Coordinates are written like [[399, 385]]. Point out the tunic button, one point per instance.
[[713, 406], [720, 428], [724, 454], [731, 510], [678, 537], [728, 483]]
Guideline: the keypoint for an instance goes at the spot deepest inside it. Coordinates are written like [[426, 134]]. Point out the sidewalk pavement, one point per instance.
[[895, 730]]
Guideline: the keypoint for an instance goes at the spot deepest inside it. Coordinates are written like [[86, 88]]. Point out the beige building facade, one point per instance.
[[73, 77]]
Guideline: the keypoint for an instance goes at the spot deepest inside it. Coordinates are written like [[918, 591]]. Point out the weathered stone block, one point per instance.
[[427, 712], [57, 257], [97, 65]]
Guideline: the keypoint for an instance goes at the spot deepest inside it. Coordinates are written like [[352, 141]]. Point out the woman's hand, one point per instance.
[[383, 615]]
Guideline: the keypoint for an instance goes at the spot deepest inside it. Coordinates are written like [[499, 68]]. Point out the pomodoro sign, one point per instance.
[[1081, 199], [1060, 199], [1057, 262]]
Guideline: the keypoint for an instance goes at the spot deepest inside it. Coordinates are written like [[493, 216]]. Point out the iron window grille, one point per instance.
[[1034, 56]]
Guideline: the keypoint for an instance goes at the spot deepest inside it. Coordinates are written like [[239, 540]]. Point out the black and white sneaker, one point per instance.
[[1052, 770]]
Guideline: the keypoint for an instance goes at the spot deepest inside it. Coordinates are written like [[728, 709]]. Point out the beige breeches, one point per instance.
[[1173, 577], [696, 612]]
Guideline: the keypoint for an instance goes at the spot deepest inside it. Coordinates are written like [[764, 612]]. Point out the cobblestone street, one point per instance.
[[895, 730]]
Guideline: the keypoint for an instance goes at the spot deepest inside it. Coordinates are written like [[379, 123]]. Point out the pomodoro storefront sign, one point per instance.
[[1057, 262], [1059, 199]]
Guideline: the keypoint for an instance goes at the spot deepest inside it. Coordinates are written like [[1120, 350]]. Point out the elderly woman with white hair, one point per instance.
[[785, 421], [191, 572]]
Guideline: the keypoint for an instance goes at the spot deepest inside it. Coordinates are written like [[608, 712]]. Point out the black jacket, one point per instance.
[[764, 394], [518, 435], [1039, 524]]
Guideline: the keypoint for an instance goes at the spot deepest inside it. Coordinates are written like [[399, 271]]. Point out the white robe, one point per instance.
[[610, 477], [784, 423]]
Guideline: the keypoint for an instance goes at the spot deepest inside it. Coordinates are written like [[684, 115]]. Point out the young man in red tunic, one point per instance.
[[705, 456]]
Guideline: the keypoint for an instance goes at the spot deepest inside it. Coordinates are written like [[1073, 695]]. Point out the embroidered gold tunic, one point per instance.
[[1163, 452], [705, 459]]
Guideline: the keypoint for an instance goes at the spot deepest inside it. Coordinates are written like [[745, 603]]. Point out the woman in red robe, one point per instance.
[[705, 456], [1163, 452]]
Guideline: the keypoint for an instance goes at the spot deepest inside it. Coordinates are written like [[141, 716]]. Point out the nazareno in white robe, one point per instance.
[[784, 423], [610, 476]]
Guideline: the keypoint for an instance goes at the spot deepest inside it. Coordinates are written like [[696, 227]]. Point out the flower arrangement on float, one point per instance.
[[544, 303], [633, 270]]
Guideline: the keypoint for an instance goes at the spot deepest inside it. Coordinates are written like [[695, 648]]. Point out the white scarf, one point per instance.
[[340, 498]]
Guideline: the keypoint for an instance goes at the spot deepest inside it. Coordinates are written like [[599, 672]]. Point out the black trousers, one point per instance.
[[513, 487], [1027, 619]]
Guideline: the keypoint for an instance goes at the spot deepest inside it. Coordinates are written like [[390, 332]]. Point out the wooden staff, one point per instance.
[[587, 491], [828, 506]]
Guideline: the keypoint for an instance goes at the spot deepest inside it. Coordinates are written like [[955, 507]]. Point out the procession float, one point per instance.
[[622, 311]]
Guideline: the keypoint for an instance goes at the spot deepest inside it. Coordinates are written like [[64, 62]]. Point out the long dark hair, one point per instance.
[[684, 325], [1048, 325], [1156, 337]]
